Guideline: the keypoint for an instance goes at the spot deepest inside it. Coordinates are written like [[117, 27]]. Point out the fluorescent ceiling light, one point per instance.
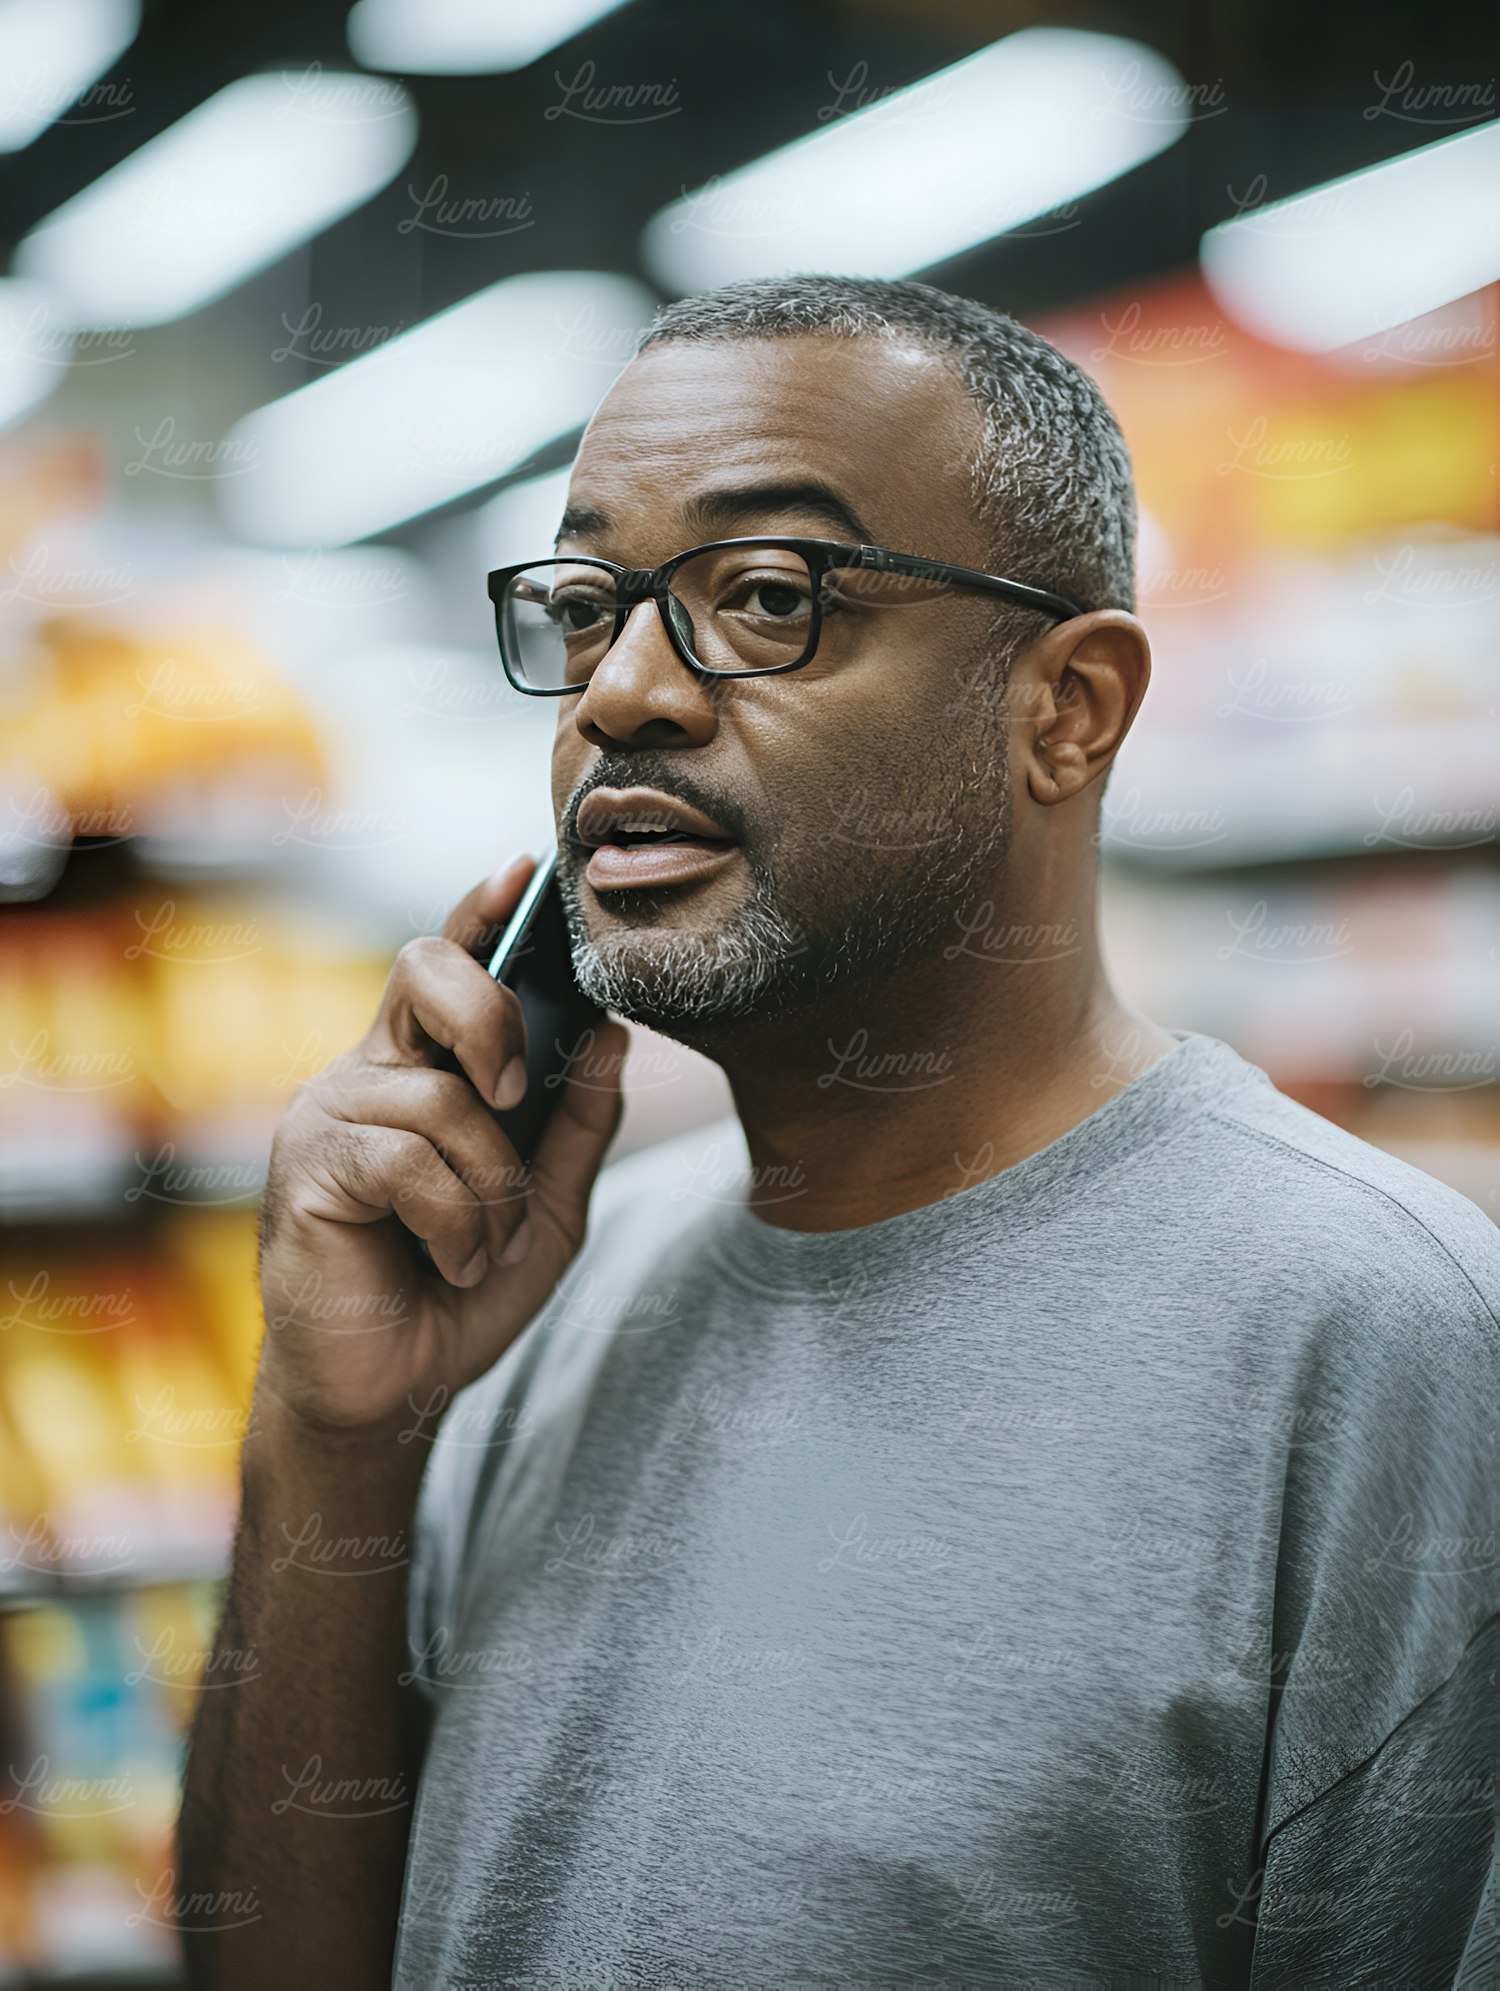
[[521, 522], [444, 408], [1000, 139], [465, 37], [263, 165], [1363, 254], [51, 51], [33, 349]]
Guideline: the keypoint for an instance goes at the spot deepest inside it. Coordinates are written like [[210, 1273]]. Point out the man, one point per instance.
[[1016, 1503]]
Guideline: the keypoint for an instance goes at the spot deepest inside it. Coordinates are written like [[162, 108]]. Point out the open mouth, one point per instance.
[[630, 839], [643, 837]]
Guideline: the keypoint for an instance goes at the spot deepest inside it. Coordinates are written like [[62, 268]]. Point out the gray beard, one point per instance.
[[764, 964], [672, 981]]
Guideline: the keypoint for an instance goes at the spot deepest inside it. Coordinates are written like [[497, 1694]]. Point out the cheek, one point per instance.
[[963, 689], [857, 743], [568, 751]]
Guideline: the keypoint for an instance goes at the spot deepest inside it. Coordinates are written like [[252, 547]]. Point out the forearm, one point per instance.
[[297, 1801]]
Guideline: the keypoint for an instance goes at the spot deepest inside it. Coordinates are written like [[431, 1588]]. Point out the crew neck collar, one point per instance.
[[770, 1257]]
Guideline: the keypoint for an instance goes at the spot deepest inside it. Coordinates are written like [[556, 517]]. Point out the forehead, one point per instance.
[[887, 425]]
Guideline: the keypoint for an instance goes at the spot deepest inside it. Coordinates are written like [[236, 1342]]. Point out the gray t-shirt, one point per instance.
[[1088, 1578]]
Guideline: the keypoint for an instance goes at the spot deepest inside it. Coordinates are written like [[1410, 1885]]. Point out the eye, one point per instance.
[[577, 613], [773, 595], [777, 599]]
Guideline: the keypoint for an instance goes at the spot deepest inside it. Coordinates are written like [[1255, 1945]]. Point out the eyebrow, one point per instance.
[[711, 511]]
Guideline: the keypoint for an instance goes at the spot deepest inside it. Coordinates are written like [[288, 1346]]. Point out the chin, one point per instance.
[[674, 963], [683, 985]]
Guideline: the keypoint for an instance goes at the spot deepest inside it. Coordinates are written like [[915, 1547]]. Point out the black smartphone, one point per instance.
[[535, 959]]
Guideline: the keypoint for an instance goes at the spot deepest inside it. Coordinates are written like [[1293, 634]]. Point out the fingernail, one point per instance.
[[519, 1245], [510, 1088], [499, 877], [474, 1271]]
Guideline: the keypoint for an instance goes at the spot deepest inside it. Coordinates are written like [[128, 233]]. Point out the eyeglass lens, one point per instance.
[[735, 608]]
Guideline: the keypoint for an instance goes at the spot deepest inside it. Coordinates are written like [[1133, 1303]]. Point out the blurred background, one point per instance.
[[304, 309]]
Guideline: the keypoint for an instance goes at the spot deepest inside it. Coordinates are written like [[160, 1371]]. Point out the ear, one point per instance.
[[1075, 693]]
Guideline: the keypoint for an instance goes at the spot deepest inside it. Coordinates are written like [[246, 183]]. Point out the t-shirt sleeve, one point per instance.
[[470, 1453], [1389, 1876], [478, 1446], [1378, 1827], [439, 1524]]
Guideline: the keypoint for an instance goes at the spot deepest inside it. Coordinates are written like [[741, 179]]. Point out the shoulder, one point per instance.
[[1381, 1286], [1361, 1232]]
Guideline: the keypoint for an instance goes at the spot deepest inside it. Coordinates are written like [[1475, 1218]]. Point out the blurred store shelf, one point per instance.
[[1187, 799], [95, 1696]]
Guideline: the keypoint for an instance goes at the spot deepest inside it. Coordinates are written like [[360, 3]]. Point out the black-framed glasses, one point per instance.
[[733, 608]]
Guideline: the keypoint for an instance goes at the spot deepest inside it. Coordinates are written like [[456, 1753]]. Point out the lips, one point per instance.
[[641, 837]]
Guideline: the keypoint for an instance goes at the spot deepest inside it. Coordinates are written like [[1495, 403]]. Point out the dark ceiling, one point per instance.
[[1300, 86], [1287, 93]]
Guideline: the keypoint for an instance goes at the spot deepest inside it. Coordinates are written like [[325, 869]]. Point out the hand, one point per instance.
[[385, 1147]]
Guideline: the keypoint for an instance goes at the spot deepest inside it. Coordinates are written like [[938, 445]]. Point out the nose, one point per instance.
[[642, 692]]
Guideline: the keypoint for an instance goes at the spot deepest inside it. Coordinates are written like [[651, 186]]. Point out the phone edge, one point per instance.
[[520, 922]]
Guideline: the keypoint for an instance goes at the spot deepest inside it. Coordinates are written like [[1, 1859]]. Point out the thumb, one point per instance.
[[479, 918]]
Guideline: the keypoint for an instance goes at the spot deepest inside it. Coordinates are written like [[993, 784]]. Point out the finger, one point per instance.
[[438, 999], [573, 1144], [446, 1111], [479, 918], [365, 1173]]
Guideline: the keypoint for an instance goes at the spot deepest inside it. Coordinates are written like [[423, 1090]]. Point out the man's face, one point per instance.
[[868, 791]]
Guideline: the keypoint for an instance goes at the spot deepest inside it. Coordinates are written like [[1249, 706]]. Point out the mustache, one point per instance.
[[667, 779]]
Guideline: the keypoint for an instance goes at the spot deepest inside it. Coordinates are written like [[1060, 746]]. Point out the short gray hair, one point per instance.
[[1050, 473]]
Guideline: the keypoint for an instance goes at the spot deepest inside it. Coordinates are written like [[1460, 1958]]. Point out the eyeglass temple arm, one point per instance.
[[940, 570]]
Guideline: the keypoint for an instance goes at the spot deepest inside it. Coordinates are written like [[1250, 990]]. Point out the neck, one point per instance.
[[886, 1100]]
